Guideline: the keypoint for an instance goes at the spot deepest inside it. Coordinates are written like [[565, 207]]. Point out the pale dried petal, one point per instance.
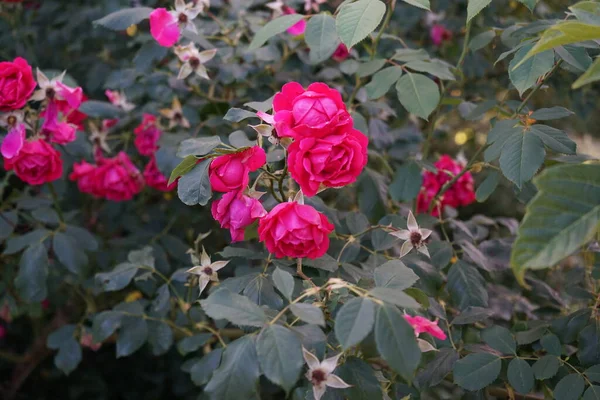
[[185, 71], [329, 364], [423, 250], [206, 55], [311, 360], [401, 234], [335, 381], [406, 248], [425, 233], [319, 391], [412, 222], [204, 258], [217, 265], [202, 282]]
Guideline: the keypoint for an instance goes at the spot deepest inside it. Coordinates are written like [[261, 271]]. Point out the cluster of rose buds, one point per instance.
[[325, 152], [461, 193], [35, 160]]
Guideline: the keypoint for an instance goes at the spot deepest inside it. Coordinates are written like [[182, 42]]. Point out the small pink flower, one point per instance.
[[230, 172], [155, 179], [164, 27], [439, 34], [423, 325], [13, 141], [235, 211], [84, 174], [147, 135], [299, 27], [341, 53], [119, 99]]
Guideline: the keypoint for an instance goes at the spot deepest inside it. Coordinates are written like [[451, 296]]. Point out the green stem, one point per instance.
[[536, 87], [386, 21], [56, 203]]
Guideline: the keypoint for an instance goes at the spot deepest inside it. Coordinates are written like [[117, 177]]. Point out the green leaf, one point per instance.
[[224, 304], [522, 155], [203, 369], [274, 27], [46, 215], [194, 187], [284, 282], [547, 114], [237, 376], [118, 278], [474, 7], [406, 183], [193, 343], [198, 146], [471, 315], [520, 376], [573, 193], [396, 342], [160, 337], [555, 139], [132, 336], [551, 344], [100, 109], [69, 350], [483, 39], [183, 168], [280, 355], [370, 67], [466, 286], [149, 53], [105, 324], [69, 253], [591, 75], [589, 345], [436, 370], [526, 74], [407, 55], [321, 37], [593, 393], [357, 222], [233, 115], [477, 370], [487, 187], [354, 321], [18, 243], [308, 313], [593, 373], [546, 367], [418, 94], [587, 11], [122, 19], [357, 20], [82, 237], [499, 338], [498, 136], [424, 4], [529, 3], [562, 33], [394, 274], [569, 388], [33, 272], [395, 297], [326, 263], [382, 81], [8, 222], [365, 385], [435, 68]]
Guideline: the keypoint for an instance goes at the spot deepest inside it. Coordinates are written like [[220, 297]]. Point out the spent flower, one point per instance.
[[320, 373], [414, 237], [207, 270]]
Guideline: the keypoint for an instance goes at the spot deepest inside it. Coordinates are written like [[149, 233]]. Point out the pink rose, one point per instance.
[[316, 111], [299, 27], [439, 34], [84, 174], [16, 84], [37, 163], [332, 161], [57, 130], [164, 27], [295, 230], [341, 53], [230, 172], [423, 325], [235, 211], [155, 179], [147, 135], [13, 141], [118, 179]]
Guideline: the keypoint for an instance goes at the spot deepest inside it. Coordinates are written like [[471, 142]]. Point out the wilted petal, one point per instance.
[[319, 391], [329, 364], [401, 234], [423, 250], [206, 55], [425, 233], [311, 360], [412, 222], [42, 79], [217, 265], [13, 142], [202, 282], [201, 72], [425, 346], [406, 248], [204, 258], [185, 71], [335, 381], [196, 270]]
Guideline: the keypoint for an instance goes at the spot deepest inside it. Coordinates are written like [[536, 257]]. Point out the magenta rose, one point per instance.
[[37, 163], [117, 178], [84, 174], [316, 111], [295, 230], [230, 172], [155, 179], [147, 135], [332, 161], [235, 211], [16, 84]]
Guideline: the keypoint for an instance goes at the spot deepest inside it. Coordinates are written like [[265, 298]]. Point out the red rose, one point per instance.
[[295, 230], [230, 172], [155, 179], [84, 174], [147, 135], [16, 84], [333, 161], [317, 111], [341, 53], [235, 211], [37, 163], [118, 179], [462, 193]]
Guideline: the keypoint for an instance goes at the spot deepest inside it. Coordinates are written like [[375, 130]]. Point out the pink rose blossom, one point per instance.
[[439, 34], [155, 179], [56, 130], [316, 111], [295, 230], [341, 53], [335, 160], [230, 172], [299, 27], [37, 163], [118, 179], [147, 135], [16, 84], [423, 325], [84, 174], [164, 27], [13, 142], [235, 211]]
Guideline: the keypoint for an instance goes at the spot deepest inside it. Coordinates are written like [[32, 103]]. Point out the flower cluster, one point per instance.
[[35, 160], [461, 193]]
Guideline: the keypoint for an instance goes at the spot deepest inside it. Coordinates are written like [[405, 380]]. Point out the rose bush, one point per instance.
[[358, 199]]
